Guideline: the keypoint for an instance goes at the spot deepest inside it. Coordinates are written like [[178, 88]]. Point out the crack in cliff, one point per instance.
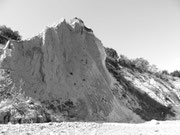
[[41, 69]]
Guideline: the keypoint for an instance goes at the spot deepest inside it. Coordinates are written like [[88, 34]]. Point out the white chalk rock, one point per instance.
[[65, 63]]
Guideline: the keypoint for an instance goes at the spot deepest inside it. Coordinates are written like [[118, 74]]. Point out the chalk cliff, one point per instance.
[[66, 64], [64, 69]]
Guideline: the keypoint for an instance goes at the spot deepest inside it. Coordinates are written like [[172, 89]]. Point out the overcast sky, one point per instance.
[[135, 28]]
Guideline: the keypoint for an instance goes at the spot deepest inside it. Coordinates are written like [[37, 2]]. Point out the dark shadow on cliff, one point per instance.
[[136, 100]]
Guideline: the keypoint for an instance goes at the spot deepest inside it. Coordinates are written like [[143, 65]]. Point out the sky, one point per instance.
[[135, 28]]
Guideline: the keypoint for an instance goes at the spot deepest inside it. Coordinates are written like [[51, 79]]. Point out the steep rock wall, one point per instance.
[[66, 64]]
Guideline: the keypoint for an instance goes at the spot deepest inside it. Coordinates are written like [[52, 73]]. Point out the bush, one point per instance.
[[153, 69], [124, 61], [161, 76], [7, 33], [165, 72], [138, 64], [111, 53], [175, 73], [141, 64]]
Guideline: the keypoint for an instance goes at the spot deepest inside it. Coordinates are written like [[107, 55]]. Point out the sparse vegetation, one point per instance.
[[111, 53], [124, 61], [7, 33], [175, 73], [19, 108], [165, 72], [139, 64]]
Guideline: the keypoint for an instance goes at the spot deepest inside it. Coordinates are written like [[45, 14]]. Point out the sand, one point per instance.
[[92, 128]]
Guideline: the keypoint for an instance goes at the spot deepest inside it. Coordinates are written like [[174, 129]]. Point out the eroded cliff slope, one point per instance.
[[147, 94], [64, 69]]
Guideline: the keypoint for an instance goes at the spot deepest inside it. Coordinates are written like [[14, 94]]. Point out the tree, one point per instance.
[[165, 72], [176, 73], [124, 61], [141, 64], [7, 33], [153, 68], [111, 53]]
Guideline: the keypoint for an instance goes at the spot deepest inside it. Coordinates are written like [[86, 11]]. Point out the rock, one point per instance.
[[63, 70], [155, 122], [65, 63], [145, 93], [5, 114]]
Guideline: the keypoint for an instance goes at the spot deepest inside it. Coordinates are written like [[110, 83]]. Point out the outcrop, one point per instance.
[[148, 95], [66, 70]]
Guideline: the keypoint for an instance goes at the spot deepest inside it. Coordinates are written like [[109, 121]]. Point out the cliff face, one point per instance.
[[64, 69], [146, 94]]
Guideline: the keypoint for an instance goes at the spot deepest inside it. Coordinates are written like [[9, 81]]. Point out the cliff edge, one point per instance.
[[64, 69]]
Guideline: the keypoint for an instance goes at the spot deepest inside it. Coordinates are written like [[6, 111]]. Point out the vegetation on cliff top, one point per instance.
[[7, 33], [138, 64]]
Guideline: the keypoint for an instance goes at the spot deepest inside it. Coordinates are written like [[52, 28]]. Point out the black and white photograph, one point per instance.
[[89, 67]]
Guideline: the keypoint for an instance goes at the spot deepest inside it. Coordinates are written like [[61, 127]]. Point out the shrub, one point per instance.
[[124, 61], [175, 73], [7, 33], [161, 76], [111, 53], [153, 69], [138, 64], [165, 72], [141, 64]]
